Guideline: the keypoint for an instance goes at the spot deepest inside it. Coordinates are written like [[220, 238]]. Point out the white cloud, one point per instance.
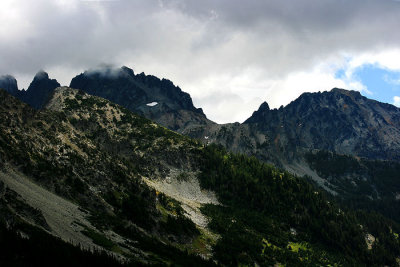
[[229, 99], [396, 101]]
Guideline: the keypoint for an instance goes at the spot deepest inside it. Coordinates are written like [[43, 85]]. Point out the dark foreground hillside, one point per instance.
[[42, 249]]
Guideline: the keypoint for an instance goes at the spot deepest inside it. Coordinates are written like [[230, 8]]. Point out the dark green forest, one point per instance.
[[263, 204], [361, 183]]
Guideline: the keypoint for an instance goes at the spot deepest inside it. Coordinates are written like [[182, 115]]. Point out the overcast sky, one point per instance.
[[230, 55]]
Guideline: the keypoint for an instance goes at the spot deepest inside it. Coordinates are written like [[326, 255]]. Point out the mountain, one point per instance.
[[39, 90], [341, 121], [147, 95], [347, 143], [76, 170], [90, 172], [9, 83], [344, 142]]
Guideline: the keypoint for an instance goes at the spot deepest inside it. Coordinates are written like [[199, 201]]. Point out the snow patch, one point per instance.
[[152, 104]]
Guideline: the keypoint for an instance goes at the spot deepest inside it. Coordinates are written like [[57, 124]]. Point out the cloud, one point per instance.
[[253, 50], [391, 80], [396, 101]]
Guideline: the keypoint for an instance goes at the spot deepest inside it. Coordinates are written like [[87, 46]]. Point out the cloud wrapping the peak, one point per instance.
[[244, 52]]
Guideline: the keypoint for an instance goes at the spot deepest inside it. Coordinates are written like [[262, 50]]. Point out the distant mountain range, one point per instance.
[[338, 121]]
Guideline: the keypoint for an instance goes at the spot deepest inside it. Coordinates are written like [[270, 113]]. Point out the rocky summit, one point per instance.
[[157, 99], [39, 91], [9, 83], [339, 120]]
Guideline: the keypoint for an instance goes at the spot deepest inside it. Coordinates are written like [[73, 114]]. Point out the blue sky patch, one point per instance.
[[340, 74], [383, 83]]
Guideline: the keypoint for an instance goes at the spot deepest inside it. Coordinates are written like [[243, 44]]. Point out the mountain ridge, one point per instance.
[[339, 121]]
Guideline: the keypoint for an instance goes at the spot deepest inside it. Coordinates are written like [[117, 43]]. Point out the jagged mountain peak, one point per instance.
[[259, 114], [41, 75], [39, 90], [127, 70], [326, 98], [9, 83], [157, 99], [40, 79], [264, 106], [109, 71]]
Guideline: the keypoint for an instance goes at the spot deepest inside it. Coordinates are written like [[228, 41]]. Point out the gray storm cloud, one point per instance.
[[210, 47]]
